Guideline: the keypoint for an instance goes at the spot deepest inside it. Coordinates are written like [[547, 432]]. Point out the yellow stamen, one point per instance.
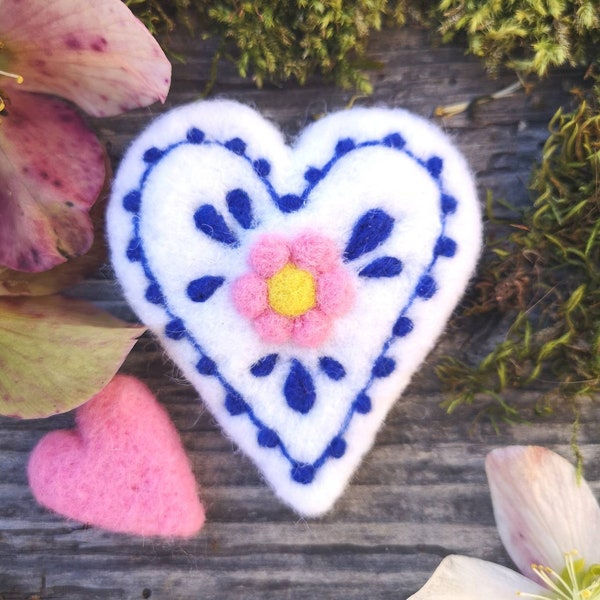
[[574, 583], [19, 78]]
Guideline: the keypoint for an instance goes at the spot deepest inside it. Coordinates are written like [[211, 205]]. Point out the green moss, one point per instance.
[[279, 40], [528, 35], [160, 17], [544, 273]]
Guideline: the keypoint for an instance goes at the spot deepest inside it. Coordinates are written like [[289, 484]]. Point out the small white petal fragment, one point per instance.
[[463, 578], [96, 54], [542, 509]]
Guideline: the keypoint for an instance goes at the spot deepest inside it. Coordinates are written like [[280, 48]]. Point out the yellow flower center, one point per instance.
[[575, 582], [291, 291]]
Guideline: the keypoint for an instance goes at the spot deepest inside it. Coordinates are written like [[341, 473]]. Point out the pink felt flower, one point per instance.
[[94, 54], [295, 289], [549, 521]]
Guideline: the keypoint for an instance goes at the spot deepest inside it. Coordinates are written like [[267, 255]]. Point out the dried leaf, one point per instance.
[[52, 170], [56, 353], [96, 54]]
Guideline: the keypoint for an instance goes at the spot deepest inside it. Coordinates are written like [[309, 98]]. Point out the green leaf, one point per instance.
[[56, 353]]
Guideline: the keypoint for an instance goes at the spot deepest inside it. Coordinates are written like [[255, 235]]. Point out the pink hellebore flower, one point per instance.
[[295, 288], [549, 522], [52, 168]]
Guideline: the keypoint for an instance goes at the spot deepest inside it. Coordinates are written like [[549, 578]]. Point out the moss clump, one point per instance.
[[159, 16], [545, 272], [278, 40], [528, 35]]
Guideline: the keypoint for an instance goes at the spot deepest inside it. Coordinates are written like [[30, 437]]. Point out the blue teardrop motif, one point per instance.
[[370, 231]]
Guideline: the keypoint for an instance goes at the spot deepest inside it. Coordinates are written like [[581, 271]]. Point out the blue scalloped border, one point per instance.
[[300, 472]]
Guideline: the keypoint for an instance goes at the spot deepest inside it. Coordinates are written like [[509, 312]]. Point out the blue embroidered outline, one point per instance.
[[383, 366]]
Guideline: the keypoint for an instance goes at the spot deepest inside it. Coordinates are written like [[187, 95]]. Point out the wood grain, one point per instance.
[[420, 494]]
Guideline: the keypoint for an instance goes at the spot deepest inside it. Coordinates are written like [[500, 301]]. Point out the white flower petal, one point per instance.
[[464, 578], [542, 509]]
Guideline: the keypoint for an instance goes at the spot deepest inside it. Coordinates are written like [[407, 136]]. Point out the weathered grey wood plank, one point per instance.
[[420, 494]]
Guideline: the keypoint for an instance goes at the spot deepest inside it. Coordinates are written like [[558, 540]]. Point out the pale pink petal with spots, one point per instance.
[[96, 54], [52, 169]]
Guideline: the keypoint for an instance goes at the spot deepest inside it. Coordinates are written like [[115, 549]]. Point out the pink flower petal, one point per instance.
[[312, 329], [314, 252], [96, 54], [249, 294], [269, 255], [273, 327], [51, 171], [463, 578], [542, 510], [335, 292]]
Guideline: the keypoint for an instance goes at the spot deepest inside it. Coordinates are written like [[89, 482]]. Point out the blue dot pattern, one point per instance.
[[175, 329], [267, 438], [362, 404], [303, 473], [372, 229], [154, 294], [152, 155], [262, 167], [132, 201], [426, 287], [383, 367], [445, 247], [237, 146], [337, 447], [235, 404], [195, 136], [206, 366], [403, 326]]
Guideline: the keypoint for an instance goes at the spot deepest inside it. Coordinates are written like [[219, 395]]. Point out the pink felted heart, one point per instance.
[[123, 468]]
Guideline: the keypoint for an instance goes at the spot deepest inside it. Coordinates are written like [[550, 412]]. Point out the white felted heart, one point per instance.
[[297, 288]]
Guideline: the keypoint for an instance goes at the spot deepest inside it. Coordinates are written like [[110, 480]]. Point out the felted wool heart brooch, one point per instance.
[[298, 288]]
